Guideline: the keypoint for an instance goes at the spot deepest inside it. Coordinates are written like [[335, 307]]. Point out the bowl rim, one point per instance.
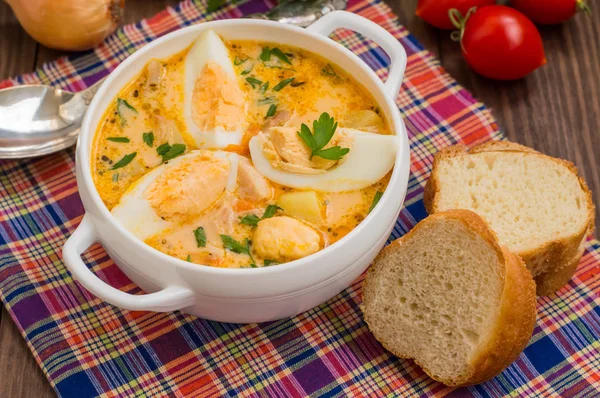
[[398, 180]]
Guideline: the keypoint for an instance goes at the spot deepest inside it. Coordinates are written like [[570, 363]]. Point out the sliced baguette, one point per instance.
[[450, 297], [538, 205]]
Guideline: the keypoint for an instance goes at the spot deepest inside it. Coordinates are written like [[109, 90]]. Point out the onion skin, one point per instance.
[[69, 25]]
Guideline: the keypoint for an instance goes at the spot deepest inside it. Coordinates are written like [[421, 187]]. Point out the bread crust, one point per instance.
[[516, 318], [552, 280], [550, 256]]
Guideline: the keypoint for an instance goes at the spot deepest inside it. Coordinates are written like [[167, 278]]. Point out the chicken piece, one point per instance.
[[183, 192], [166, 131], [251, 184], [286, 151], [285, 239]]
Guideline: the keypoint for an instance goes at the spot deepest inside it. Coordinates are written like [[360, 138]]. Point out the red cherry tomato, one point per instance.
[[500, 43], [549, 12], [435, 12]]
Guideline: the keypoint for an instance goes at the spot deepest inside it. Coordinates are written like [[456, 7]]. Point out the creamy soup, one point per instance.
[[242, 154]]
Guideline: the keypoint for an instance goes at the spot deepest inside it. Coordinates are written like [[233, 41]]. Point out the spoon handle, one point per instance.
[[89, 93]]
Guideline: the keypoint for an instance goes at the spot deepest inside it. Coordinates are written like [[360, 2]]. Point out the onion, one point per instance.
[[72, 25]]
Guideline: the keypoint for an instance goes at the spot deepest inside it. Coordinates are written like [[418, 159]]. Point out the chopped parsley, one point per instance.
[[118, 139], [272, 110], [247, 70], [125, 160], [264, 87], [235, 246], [148, 138], [238, 61], [267, 262], [189, 258], [266, 53], [283, 83], [168, 152], [323, 130], [253, 219], [376, 199], [200, 236], [329, 71], [253, 81], [120, 104]]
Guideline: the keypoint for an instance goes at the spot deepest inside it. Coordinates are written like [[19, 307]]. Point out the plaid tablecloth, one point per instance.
[[88, 348]]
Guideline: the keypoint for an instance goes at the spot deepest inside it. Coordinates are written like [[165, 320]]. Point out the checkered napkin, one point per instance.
[[87, 347]]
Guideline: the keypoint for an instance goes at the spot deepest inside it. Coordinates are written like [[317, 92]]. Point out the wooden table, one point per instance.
[[556, 110]]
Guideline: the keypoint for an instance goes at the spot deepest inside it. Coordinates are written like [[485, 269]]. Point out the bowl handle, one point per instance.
[[170, 298], [347, 20]]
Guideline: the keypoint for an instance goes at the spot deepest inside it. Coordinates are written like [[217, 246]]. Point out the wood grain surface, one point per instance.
[[556, 110]]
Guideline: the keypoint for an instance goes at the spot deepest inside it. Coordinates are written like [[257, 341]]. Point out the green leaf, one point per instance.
[[238, 61], [118, 139], [264, 87], [125, 160], [266, 100], [173, 152], [250, 219], [252, 265], [270, 211], [307, 137], [267, 262], [235, 246], [247, 70], [265, 54], [333, 153], [323, 130], [329, 71], [189, 258], [281, 55], [283, 83], [200, 236], [120, 104], [148, 138], [376, 199], [272, 110], [162, 149], [253, 81]]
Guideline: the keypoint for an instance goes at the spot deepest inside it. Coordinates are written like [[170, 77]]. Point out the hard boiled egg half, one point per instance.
[[214, 104], [176, 192], [370, 158]]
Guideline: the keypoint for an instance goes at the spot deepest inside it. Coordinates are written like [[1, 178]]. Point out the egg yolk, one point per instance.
[[217, 100], [183, 192]]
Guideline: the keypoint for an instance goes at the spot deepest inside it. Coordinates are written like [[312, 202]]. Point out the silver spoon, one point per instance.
[[37, 120]]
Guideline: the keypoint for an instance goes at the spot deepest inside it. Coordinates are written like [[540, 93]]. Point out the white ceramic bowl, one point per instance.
[[253, 294]]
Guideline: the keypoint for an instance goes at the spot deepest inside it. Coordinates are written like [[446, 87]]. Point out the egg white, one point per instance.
[[136, 214], [371, 157], [207, 47]]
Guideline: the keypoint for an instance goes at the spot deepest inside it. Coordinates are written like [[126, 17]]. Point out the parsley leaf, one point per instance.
[[270, 211], [250, 219], [200, 236], [376, 199], [148, 138], [323, 131], [173, 152], [253, 220], [239, 61], [235, 246], [267, 262], [118, 139], [329, 71], [253, 82], [189, 258], [264, 87], [272, 110], [265, 54], [120, 104], [281, 55], [125, 160], [283, 83], [168, 152]]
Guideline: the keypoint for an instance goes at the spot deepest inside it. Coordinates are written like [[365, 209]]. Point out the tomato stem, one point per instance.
[[583, 6], [460, 23]]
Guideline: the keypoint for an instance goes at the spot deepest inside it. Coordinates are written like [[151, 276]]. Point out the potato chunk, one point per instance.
[[365, 120], [285, 239], [306, 205]]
